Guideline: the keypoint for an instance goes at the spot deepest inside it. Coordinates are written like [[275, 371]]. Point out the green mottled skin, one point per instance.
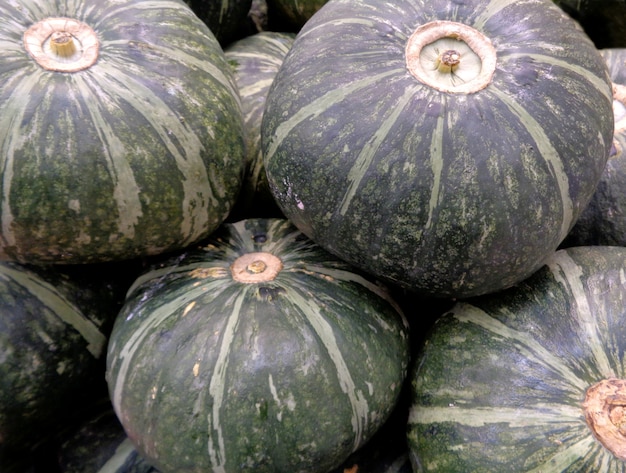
[[52, 347], [138, 154], [445, 194], [294, 374], [256, 60], [499, 381]]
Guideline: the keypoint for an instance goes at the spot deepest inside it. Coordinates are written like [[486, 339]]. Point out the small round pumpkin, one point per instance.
[[121, 132], [447, 148], [257, 351], [531, 379]]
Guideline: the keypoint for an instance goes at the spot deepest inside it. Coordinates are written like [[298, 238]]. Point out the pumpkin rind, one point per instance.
[[500, 381], [51, 352], [447, 194], [603, 221], [290, 374], [140, 153], [255, 61]]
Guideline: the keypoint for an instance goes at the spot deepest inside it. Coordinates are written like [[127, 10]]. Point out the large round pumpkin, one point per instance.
[[447, 147], [256, 352], [532, 379], [121, 132]]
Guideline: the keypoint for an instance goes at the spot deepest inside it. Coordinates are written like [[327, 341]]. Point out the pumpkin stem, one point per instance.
[[605, 412], [62, 44], [257, 267], [450, 57]]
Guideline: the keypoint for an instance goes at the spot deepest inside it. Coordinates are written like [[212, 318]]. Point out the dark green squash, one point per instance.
[[52, 349], [532, 379], [256, 352], [121, 132], [255, 61], [447, 178]]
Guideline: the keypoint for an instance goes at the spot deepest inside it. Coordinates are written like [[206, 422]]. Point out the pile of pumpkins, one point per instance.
[[349, 236]]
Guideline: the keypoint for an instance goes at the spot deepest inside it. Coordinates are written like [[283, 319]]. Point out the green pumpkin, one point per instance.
[[256, 352], [445, 147], [121, 132], [529, 380], [255, 61], [53, 346]]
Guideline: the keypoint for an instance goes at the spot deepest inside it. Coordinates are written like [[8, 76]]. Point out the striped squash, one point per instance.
[[603, 222], [255, 61], [446, 147], [52, 350], [532, 379], [257, 352], [121, 133]]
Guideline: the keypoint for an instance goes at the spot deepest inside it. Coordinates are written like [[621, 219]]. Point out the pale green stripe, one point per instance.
[[353, 277], [538, 414], [490, 10], [524, 341], [256, 87], [125, 189], [217, 386], [11, 118], [547, 152], [125, 354], [358, 403], [320, 105], [119, 458], [571, 455], [436, 162], [599, 83], [61, 307], [367, 153], [570, 275], [109, 81]]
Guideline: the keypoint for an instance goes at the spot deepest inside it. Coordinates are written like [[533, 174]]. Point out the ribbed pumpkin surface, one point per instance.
[[500, 381], [451, 191], [139, 153], [209, 370]]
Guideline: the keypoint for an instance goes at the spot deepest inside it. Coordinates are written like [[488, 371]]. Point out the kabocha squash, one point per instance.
[[121, 132], [532, 379], [255, 61], [603, 222], [257, 352], [446, 147], [52, 353]]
